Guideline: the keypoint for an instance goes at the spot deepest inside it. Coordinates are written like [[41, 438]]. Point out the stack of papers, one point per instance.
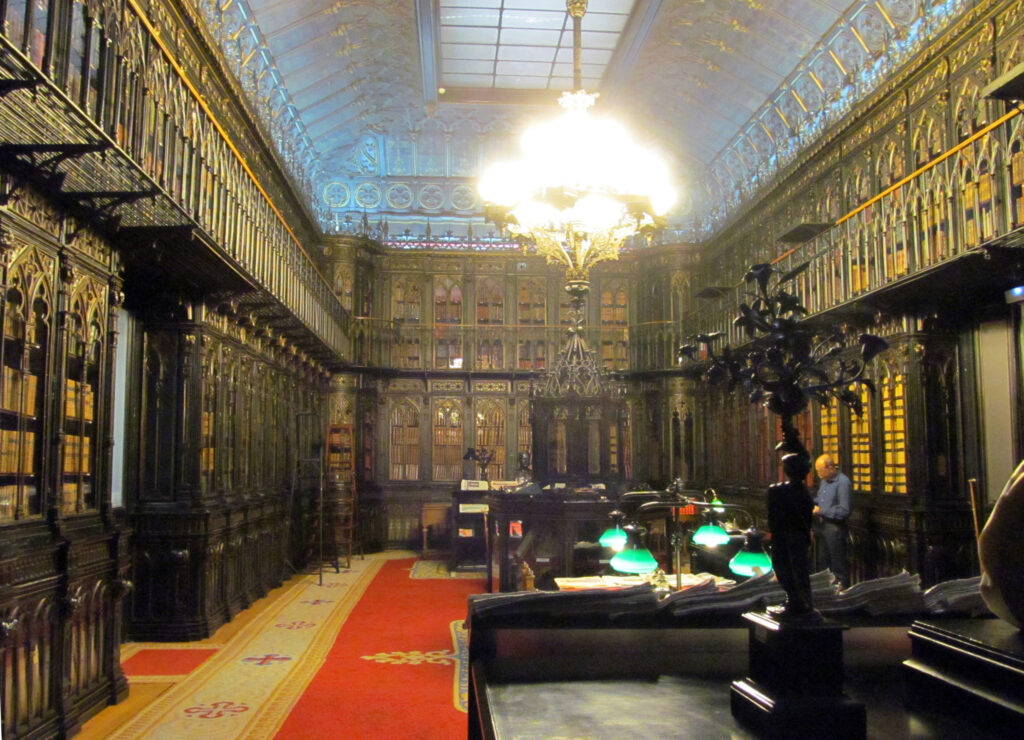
[[753, 594], [961, 596], [898, 594], [580, 584]]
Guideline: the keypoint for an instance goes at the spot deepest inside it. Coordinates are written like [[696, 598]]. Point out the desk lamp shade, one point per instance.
[[614, 538], [634, 557], [751, 560], [710, 534]]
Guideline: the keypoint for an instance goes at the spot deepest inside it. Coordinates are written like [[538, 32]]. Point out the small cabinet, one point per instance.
[[469, 531]]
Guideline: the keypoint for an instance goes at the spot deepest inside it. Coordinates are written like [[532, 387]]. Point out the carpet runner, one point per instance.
[[398, 668], [376, 652]]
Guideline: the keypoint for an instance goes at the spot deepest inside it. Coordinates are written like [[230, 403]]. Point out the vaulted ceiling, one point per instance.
[[393, 106]]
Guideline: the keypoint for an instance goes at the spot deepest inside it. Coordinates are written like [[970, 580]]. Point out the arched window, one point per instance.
[[407, 300], [531, 306], [490, 302], [490, 354], [447, 301], [614, 305]]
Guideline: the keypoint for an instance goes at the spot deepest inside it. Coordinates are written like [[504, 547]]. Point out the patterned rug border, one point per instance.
[[274, 709], [283, 699], [130, 649]]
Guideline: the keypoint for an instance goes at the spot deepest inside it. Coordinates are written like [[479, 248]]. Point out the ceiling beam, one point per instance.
[[426, 26], [632, 40]]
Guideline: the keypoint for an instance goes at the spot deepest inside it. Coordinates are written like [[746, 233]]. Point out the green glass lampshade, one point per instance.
[[710, 535], [716, 505], [634, 560], [614, 538], [752, 559]]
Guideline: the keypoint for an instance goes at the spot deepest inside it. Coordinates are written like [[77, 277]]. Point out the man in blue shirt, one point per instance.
[[832, 508]]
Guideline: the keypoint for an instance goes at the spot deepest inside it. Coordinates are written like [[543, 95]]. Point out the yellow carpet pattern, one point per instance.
[[249, 686], [458, 655]]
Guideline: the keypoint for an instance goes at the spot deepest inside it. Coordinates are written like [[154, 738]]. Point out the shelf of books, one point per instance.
[[21, 398], [80, 443]]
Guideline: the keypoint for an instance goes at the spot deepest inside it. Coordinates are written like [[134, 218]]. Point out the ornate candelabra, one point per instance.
[[482, 456], [786, 365]]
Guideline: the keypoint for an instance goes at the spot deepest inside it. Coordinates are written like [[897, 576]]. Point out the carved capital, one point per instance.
[[8, 625], [73, 603], [120, 587]]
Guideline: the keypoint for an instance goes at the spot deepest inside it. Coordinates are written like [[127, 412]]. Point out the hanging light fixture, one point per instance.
[[582, 187]]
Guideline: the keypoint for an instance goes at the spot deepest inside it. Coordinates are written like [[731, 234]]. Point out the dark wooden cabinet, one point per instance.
[[64, 557], [469, 531], [554, 533]]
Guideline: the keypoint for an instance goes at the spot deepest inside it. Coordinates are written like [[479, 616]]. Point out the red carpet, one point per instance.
[[169, 662], [403, 693]]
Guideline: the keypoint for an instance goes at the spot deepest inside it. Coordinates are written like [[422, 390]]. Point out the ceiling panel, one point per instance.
[[695, 77]]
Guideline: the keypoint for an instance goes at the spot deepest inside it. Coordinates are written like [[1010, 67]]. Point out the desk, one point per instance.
[[632, 678], [556, 533]]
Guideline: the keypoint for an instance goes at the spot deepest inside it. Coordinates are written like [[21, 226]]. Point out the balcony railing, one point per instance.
[[130, 140]]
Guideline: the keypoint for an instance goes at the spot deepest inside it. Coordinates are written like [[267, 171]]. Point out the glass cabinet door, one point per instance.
[[27, 314]]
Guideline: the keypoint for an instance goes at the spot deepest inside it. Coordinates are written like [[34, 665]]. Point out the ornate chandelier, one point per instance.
[[582, 186]]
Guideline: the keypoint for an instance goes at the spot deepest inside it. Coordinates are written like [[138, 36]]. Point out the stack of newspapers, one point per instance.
[[753, 594], [898, 594], [961, 596]]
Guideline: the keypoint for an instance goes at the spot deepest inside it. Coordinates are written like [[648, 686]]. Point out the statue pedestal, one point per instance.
[[795, 686]]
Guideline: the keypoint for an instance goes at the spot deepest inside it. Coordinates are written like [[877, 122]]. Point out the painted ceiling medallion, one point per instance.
[[399, 196], [368, 195], [431, 197], [336, 194], [463, 198]]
